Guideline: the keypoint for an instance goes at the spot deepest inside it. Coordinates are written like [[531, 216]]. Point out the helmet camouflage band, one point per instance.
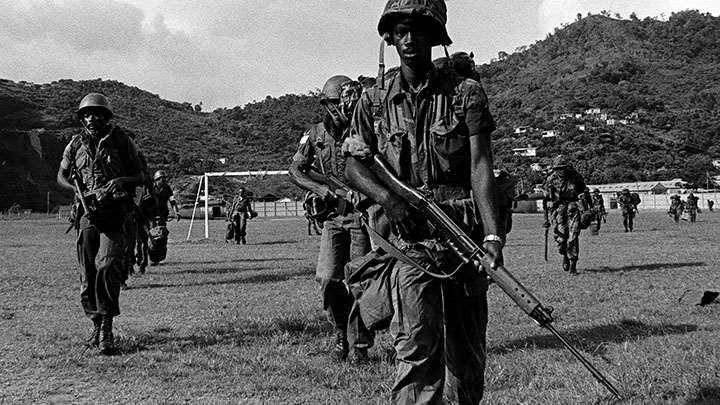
[[94, 100], [434, 11]]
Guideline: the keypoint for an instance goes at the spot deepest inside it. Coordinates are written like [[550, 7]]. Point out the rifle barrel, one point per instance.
[[598, 376]]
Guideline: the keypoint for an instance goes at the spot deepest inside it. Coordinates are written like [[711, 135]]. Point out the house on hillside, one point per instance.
[[522, 130], [592, 111], [716, 163], [550, 133], [530, 151], [536, 167]]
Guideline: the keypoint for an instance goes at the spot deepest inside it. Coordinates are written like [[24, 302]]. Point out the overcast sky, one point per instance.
[[230, 52]]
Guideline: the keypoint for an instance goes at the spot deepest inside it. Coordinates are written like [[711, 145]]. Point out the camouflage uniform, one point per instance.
[[676, 207], [565, 213], [692, 207], [628, 208], [101, 249], [438, 325], [343, 238], [598, 206], [238, 214]]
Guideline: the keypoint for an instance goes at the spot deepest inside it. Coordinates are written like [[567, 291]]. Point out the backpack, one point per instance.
[[635, 198]]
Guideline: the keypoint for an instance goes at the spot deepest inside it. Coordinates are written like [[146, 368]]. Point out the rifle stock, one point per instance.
[[473, 254]]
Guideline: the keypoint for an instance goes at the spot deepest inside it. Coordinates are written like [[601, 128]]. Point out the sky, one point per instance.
[[226, 53]]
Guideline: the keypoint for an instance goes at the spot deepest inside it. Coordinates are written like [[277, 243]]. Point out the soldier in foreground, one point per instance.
[[434, 130], [628, 206], [343, 236], [104, 162], [597, 204], [563, 188]]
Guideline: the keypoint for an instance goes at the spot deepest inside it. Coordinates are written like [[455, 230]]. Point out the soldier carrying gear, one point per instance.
[[628, 204], [438, 326], [692, 207], [105, 163], [343, 236], [563, 188], [676, 207], [598, 208]]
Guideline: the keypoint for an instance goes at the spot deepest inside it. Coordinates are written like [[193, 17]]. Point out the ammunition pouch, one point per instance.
[[107, 210]]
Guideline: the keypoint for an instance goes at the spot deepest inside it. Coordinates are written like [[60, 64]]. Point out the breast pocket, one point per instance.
[[451, 148], [392, 148], [81, 161]]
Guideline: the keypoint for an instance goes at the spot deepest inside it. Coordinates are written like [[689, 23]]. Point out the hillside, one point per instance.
[[628, 99], [662, 77]]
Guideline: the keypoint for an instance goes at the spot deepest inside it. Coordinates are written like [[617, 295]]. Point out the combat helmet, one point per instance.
[[434, 11], [560, 162], [625, 191], [94, 100], [332, 90], [159, 174]]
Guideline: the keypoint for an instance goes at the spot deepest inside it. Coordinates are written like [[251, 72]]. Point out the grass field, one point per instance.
[[221, 323]]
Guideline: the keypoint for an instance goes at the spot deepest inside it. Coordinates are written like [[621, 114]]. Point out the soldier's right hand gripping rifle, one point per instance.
[[78, 186], [472, 254]]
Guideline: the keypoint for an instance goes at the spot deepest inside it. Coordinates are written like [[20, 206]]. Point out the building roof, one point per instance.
[[640, 186]]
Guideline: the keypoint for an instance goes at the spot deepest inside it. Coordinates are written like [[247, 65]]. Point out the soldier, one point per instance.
[[628, 206], [238, 214], [676, 207], [710, 204], [563, 188], [164, 195], [343, 236], [598, 208], [691, 205], [434, 130], [105, 161]]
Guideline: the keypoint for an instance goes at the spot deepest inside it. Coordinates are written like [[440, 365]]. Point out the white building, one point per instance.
[[530, 151], [550, 133]]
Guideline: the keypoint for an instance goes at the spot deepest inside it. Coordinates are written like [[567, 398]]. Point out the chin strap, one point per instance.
[[381, 64]]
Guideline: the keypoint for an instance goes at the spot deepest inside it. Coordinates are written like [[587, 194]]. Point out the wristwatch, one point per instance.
[[494, 238]]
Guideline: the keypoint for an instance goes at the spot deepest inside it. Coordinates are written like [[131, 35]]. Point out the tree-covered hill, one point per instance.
[[629, 100], [663, 77]]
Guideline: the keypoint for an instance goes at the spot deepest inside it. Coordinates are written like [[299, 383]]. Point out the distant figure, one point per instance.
[[238, 214], [710, 203], [158, 234], [628, 205], [14, 209], [691, 205], [676, 207], [563, 188], [598, 208]]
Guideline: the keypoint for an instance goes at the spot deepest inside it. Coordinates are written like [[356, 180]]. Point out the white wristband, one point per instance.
[[494, 238]]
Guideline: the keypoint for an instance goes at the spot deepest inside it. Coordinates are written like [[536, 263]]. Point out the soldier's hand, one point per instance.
[[115, 186], [546, 224], [495, 249], [401, 220]]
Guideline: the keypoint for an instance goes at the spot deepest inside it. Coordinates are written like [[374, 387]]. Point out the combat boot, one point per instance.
[[94, 339], [107, 340], [566, 263], [573, 267], [341, 347]]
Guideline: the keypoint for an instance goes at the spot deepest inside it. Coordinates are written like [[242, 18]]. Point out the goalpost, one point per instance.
[[203, 185]]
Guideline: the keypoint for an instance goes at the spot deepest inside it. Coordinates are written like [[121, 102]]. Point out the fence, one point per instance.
[[279, 209], [661, 201]]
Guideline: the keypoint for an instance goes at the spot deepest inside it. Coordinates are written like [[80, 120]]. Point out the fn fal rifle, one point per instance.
[[478, 258]]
